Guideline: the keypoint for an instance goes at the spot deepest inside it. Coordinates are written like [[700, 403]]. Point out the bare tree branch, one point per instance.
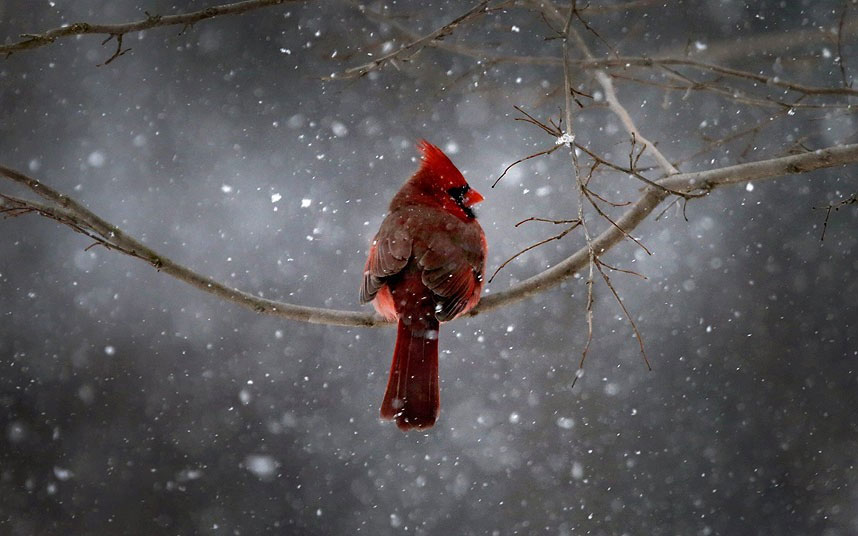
[[809, 38], [563, 233], [116, 31], [736, 73], [652, 197], [607, 85], [623, 62], [852, 200], [72, 211], [406, 52], [612, 8], [599, 265], [841, 59]]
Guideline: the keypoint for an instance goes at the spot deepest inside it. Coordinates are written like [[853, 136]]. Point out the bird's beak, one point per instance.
[[472, 197]]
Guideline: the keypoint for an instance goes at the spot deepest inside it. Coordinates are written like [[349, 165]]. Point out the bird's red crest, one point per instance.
[[438, 166]]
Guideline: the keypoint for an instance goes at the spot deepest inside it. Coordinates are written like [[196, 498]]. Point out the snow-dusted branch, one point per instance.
[[117, 31], [70, 212]]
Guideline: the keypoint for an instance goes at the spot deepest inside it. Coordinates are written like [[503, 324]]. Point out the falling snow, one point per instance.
[[96, 159], [263, 466], [135, 402]]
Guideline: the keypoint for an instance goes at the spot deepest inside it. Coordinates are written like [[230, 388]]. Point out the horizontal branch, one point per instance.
[[807, 38], [613, 8], [616, 62], [151, 21], [652, 197], [70, 212], [727, 71]]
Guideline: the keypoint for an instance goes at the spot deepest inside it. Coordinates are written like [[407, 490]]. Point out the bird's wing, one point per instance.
[[452, 267], [388, 255]]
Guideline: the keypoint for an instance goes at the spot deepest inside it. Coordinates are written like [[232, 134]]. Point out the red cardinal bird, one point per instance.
[[426, 266]]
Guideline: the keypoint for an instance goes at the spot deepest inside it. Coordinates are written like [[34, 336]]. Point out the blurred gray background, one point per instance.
[[131, 403]]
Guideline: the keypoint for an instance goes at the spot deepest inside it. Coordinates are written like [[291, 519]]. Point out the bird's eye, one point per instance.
[[458, 193]]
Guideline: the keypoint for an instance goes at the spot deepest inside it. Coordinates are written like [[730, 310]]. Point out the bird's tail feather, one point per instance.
[[412, 398]]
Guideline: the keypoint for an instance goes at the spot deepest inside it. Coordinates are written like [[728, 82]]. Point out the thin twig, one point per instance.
[[632, 172], [559, 236], [625, 62], [590, 29], [623, 270], [740, 96], [607, 201], [119, 50], [601, 212], [553, 130], [35, 40], [520, 160], [545, 220], [841, 59], [853, 200], [621, 6], [408, 51], [589, 316], [664, 211], [622, 305], [736, 73], [713, 144]]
